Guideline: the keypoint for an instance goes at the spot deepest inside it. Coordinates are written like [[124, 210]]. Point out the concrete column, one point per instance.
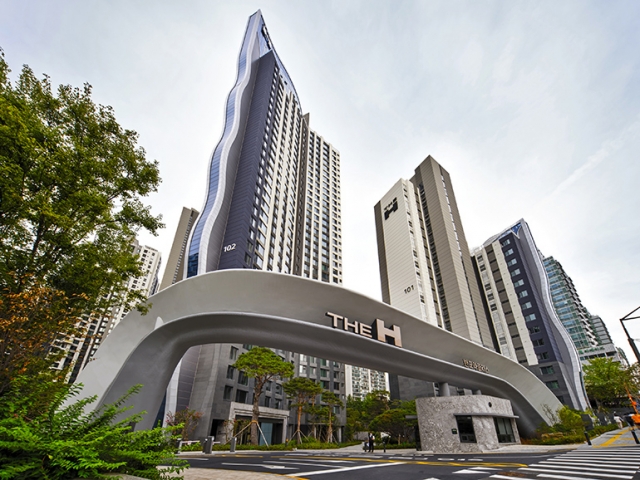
[[444, 389], [477, 392], [285, 424]]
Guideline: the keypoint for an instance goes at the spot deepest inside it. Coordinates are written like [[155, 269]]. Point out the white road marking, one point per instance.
[[504, 477], [591, 464], [301, 463], [271, 467], [564, 477], [347, 469], [588, 469], [626, 477], [466, 470]]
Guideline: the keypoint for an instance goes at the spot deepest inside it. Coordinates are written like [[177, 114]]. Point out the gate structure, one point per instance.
[[301, 315]]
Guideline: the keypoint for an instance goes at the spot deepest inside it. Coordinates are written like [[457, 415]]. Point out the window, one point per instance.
[[553, 384], [523, 294], [508, 252], [241, 396], [526, 305], [547, 370], [535, 329], [519, 283], [515, 272], [543, 356], [233, 353], [465, 429], [228, 391], [303, 370], [513, 261], [504, 430], [506, 242], [538, 343], [530, 318], [230, 372], [243, 379]]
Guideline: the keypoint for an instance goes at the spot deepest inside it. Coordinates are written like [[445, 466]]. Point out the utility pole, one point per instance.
[[631, 341]]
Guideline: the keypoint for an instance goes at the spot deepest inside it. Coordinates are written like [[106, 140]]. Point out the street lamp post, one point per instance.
[[631, 342]]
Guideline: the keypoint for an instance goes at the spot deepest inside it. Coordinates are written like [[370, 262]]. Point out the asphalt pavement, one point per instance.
[[603, 446]]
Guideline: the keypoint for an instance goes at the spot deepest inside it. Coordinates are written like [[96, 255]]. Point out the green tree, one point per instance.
[[300, 390], [262, 365], [71, 187], [394, 421], [332, 400], [187, 418], [570, 420], [30, 322], [56, 442], [607, 382]]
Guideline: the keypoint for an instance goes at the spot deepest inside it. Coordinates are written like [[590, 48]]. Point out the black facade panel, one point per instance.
[[242, 202]]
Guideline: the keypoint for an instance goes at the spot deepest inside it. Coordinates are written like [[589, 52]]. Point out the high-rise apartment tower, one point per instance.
[[425, 265], [528, 330], [272, 203], [588, 332]]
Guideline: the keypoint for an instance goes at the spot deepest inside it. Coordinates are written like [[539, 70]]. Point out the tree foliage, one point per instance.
[[187, 419], [331, 400], [54, 442], [262, 365], [607, 382], [71, 187], [301, 391], [378, 413], [31, 321]]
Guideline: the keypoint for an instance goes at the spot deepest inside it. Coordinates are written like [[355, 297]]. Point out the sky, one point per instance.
[[532, 107]]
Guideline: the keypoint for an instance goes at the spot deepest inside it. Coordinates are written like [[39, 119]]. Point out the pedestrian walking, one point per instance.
[[371, 440], [618, 419]]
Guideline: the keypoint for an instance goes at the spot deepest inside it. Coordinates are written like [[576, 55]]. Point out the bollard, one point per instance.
[[635, 437], [587, 436], [233, 445], [208, 445]]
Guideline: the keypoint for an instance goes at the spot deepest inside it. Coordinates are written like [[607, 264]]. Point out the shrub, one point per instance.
[[63, 442]]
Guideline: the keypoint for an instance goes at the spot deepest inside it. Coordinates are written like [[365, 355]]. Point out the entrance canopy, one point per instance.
[[300, 315]]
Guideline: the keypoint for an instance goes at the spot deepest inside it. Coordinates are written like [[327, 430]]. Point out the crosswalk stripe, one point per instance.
[[591, 464], [589, 469], [564, 477], [604, 454], [504, 477], [608, 475]]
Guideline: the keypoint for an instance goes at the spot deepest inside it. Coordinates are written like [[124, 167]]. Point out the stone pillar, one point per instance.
[[285, 425], [444, 389]]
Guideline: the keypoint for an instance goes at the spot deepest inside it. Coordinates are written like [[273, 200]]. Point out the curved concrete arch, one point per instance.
[[289, 312]]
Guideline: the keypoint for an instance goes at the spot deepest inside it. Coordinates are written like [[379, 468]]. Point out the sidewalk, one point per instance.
[[615, 439]]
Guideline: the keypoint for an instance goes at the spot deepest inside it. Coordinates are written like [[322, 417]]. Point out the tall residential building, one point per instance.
[[360, 381], [425, 264], [272, 203], [174, 271], [588, 332], [81, 348], [528, 330]]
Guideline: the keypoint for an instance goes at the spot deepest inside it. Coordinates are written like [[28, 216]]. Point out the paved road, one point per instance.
[[614, 456]]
